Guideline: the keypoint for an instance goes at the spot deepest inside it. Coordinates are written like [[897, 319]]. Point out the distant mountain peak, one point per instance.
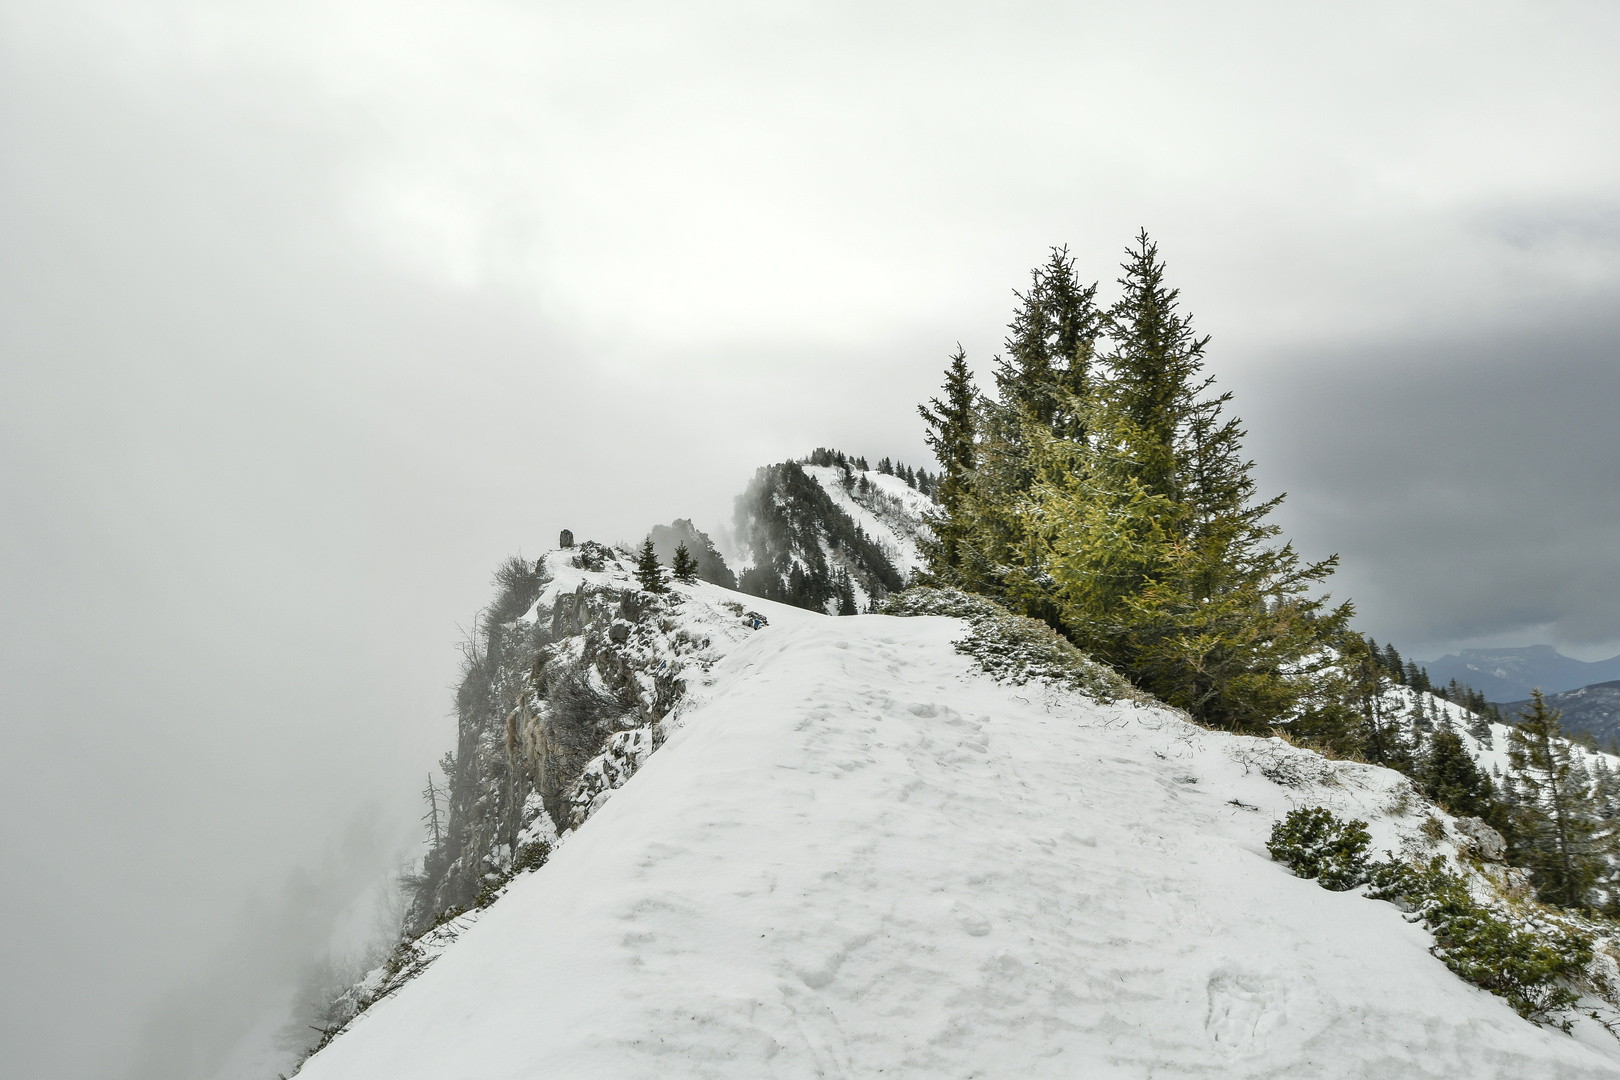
[[1510, 673]]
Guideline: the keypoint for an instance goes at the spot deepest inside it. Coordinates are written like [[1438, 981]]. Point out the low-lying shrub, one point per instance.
[[1013, 648], [1537, 965], [1315, 844]]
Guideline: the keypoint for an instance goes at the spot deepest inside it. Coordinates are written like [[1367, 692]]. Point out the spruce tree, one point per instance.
[[1556, 822], [1450, 777], [844, 589], [1148, 537], [1049, 346], [1380, 734], [684, 566], [648, 571], [1109, 497], [952, 433]]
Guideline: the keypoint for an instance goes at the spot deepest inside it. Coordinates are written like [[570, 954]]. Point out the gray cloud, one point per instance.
[[1469, 482]]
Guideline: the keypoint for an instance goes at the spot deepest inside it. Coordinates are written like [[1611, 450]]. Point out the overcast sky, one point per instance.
[[312, 312]]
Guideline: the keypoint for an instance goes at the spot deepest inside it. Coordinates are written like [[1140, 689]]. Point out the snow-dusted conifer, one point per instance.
[[648, 571], [1556, 821], [684, 566], [953, 424]]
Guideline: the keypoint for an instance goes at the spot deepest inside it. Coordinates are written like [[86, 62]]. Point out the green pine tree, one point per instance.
[[648, 571], [1450, 777], [952, 430], [684, 566], [1556, 822], [1148, 538]]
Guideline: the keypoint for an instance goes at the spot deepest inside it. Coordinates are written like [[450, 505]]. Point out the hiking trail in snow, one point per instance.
[[858, 855]]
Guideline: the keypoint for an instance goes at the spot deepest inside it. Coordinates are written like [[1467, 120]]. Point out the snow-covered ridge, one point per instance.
[[887, 509], [858, 854]]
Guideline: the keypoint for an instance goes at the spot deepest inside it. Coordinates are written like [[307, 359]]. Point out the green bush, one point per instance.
[[1315, 844], [531, 856], [1534, 964], [1530, 963], [1013, 648]]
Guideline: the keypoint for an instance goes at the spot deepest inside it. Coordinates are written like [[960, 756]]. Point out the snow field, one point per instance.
[[859, 856]]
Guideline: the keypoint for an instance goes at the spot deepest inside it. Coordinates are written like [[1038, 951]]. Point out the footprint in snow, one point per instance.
[[972, 921], [1243, 1008]]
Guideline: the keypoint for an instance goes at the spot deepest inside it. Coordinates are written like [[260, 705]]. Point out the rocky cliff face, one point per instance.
[[567, 682]]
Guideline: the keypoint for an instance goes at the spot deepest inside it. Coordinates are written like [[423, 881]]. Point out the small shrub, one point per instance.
[[1012, 648], [1530, 964], [531, 856], [1315, 844], [493, 884], [1533, 965]]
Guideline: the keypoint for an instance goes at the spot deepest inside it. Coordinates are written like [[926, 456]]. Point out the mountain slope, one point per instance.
[[831, 538], [858, 854], [1510, 674], [1593, 709]]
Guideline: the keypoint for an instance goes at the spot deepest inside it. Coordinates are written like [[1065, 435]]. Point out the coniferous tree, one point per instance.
[[1116, 505], [1150, 542], [1450, 777], [1606, 790], [684, 567], [1555, 821], [845, 591], [1043, 388], [1381, 737], [1392, 660], [1049, 348], [952, 434], [648, 572]]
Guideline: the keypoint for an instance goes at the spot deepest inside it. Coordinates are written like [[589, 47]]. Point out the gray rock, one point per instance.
[[566, 540], [619, 633], [1483, 840]]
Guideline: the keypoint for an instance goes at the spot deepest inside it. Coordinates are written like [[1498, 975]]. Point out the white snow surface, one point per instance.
[[858, 855]]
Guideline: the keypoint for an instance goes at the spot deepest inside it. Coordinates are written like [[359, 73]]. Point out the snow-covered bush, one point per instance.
[[1013, 648], [1538, 964], [1535, 963], [1315, 844]]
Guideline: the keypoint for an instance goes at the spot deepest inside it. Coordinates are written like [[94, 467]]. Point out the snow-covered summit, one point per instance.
[[856, 854]]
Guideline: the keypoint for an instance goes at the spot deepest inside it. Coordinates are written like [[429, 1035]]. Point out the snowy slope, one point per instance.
[[858, 855], [1405, 703], [890, 513]]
